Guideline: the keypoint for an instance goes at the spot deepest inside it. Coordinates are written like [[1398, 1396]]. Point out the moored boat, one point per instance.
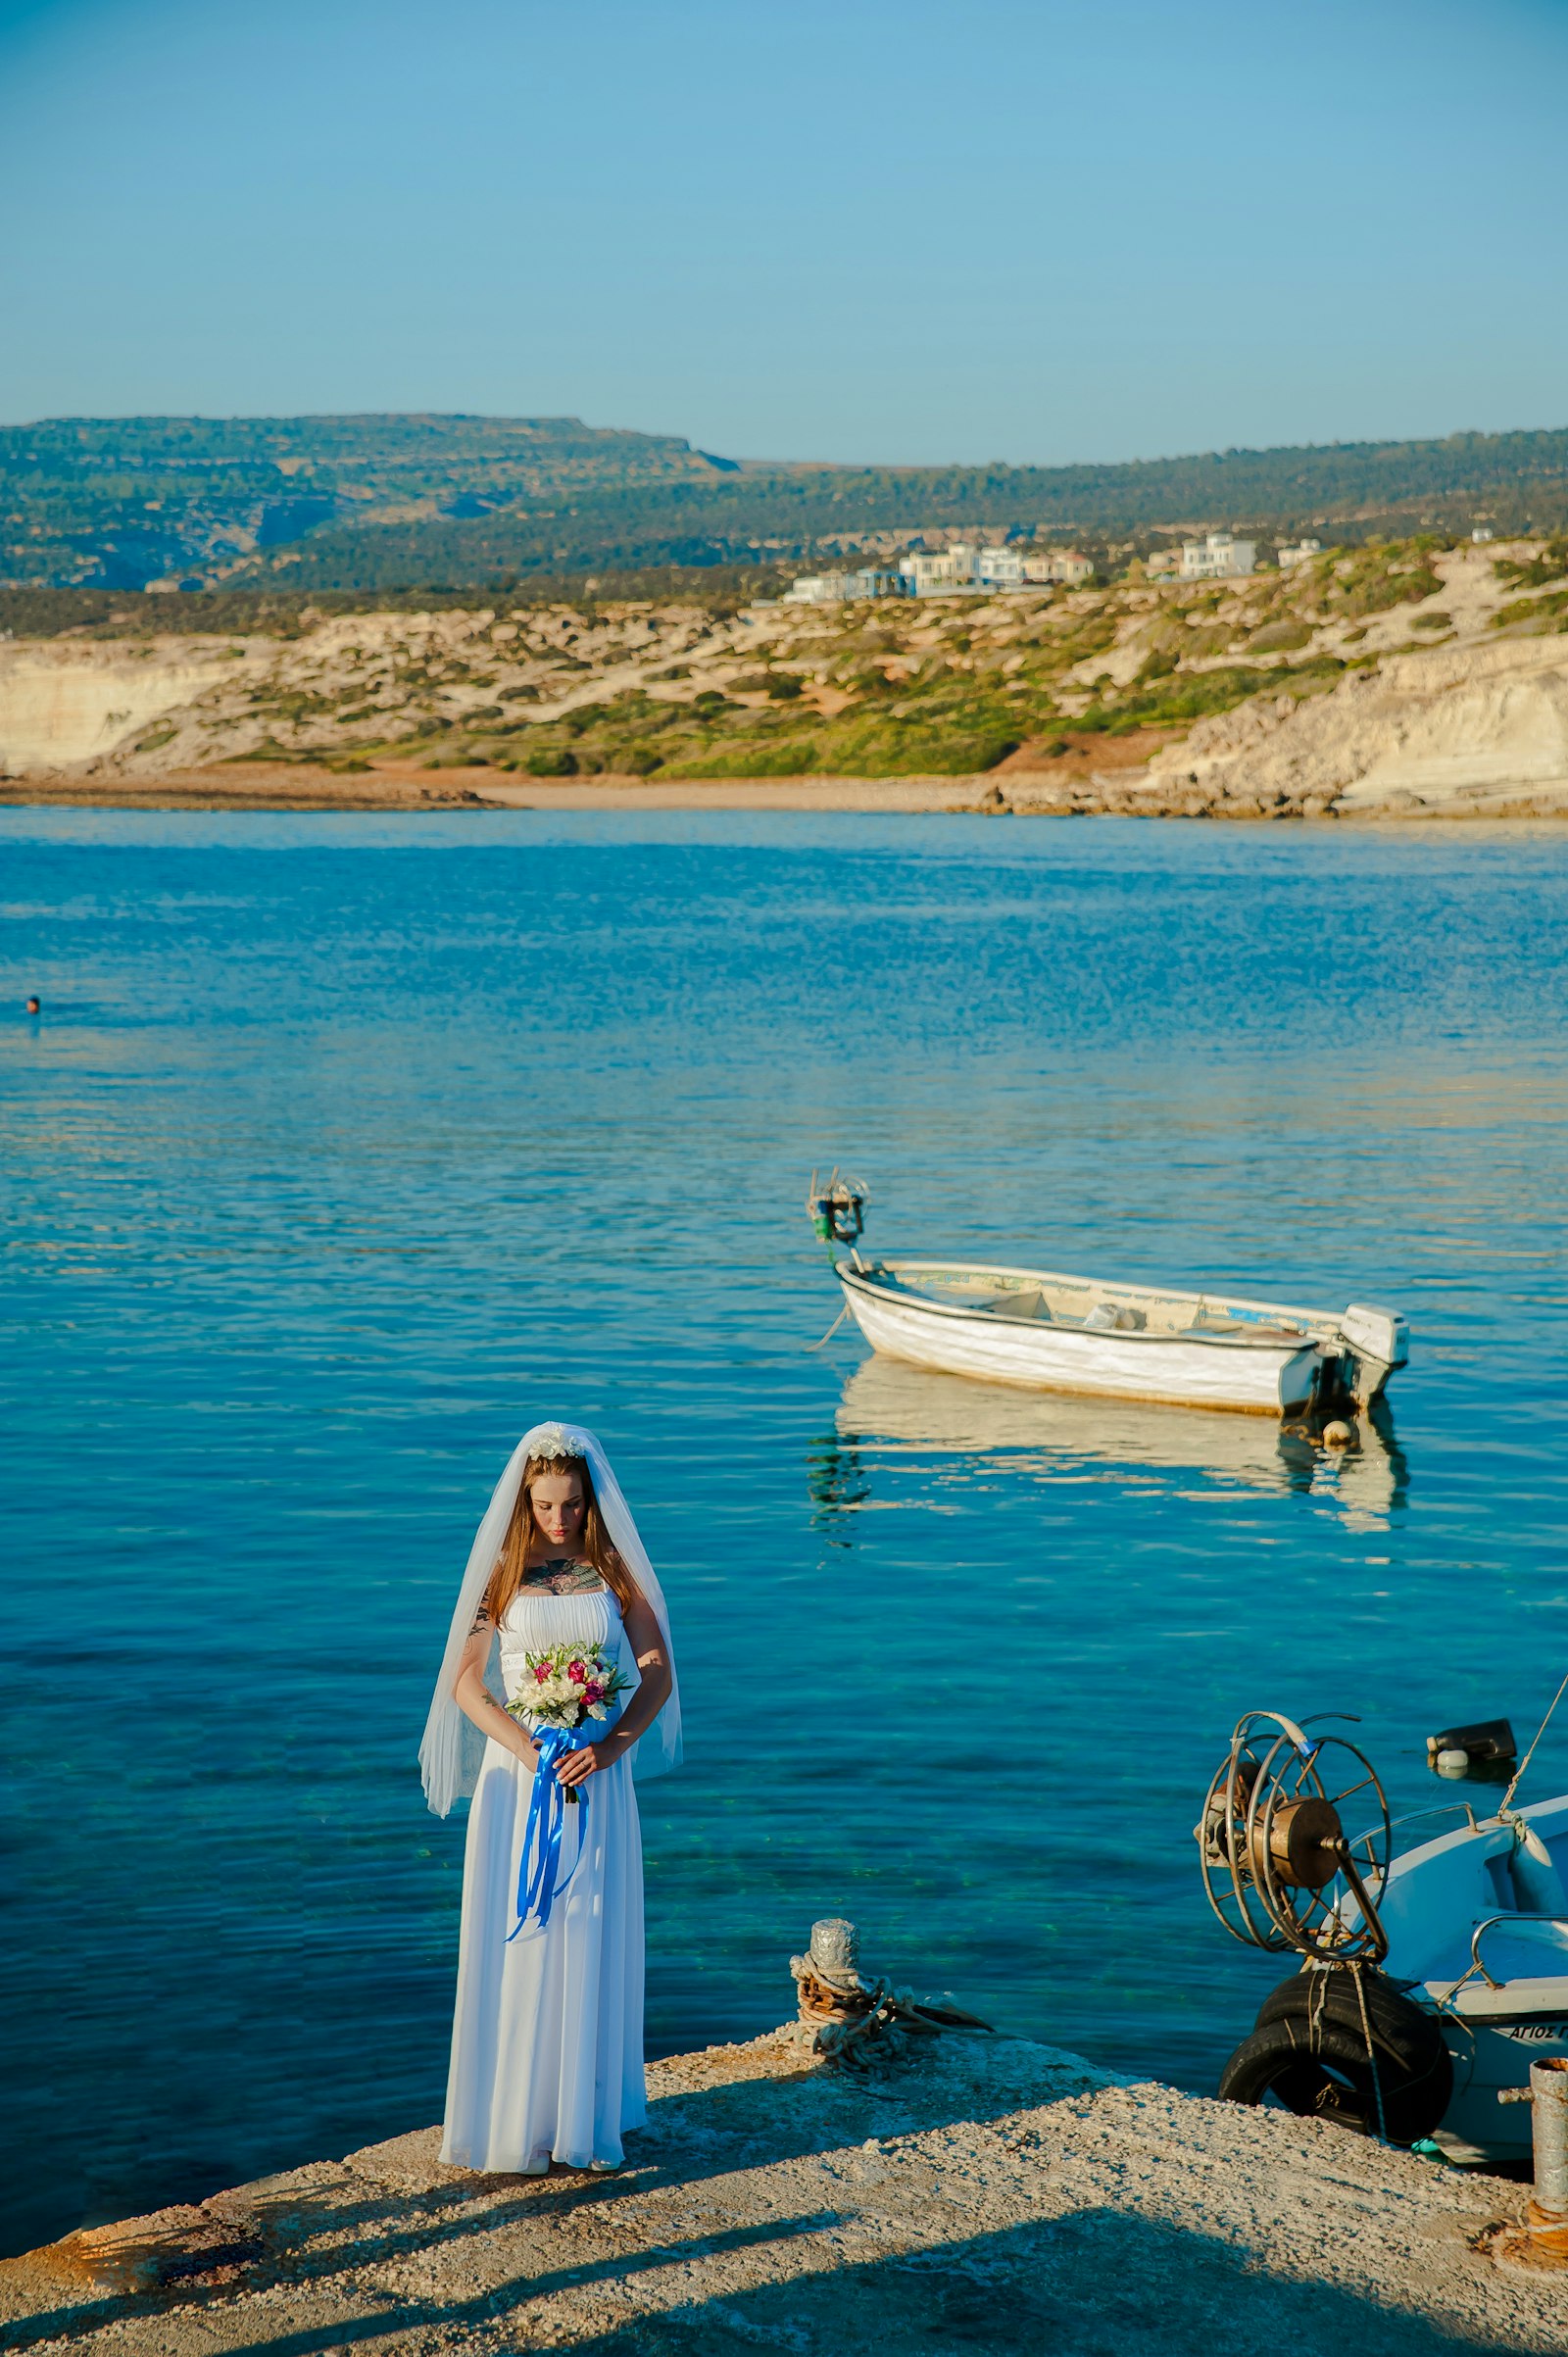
[[1477, 1925], [1054, 1332], [1430, 1979]]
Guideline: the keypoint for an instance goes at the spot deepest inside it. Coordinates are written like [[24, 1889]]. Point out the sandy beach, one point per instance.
[[279, 786], [1005, 792]]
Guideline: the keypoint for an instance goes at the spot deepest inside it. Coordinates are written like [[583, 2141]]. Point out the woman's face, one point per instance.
[[558, 1507]]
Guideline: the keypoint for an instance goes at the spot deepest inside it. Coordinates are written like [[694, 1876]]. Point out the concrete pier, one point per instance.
[[989, 2194]]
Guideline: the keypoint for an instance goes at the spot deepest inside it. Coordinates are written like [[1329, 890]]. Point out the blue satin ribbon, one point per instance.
[[539, 1886]]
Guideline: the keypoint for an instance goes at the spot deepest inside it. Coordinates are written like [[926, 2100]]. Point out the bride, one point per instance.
[[547, 2042]]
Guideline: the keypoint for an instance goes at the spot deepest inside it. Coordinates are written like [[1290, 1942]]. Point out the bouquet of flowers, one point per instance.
[[565, 1688]]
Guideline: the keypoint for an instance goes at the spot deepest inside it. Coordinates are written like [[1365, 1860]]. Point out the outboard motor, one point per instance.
[[837, 1208], [1377, 1341]]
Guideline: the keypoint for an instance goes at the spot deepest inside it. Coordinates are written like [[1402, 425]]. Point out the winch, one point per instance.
[[1337, 2041], [1272, 1841]]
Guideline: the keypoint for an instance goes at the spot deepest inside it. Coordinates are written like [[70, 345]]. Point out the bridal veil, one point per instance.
[[453, 1747]]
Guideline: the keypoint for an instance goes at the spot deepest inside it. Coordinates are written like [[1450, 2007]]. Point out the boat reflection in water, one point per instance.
[[890, 1407]]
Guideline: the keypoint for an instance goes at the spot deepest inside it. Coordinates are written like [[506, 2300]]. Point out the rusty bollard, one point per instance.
[[1543, 2239]]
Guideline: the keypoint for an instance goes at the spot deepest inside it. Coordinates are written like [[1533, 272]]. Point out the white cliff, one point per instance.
[[1455, 731]]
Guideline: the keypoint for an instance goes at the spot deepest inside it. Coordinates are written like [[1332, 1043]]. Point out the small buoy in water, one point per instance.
[[1451, 1763], [1337, 1435]]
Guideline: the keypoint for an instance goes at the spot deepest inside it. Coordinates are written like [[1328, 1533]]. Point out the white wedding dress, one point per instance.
[[547, 2042]]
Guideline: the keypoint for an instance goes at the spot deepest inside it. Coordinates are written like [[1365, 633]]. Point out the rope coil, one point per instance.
[[858, 2022]]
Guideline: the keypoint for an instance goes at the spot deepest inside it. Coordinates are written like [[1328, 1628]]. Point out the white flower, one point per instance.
[[597, 1710]]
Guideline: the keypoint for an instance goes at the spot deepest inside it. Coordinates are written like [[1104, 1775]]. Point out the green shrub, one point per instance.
[[785, 757], [1530, 610], [551, 761], [1534, 573], [1280, 638], [1370, 587]]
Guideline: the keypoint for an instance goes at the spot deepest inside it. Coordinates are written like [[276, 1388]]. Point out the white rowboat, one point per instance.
[[1051, 1332]]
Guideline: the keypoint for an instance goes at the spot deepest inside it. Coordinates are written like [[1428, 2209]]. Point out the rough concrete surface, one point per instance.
[[985, 2194]]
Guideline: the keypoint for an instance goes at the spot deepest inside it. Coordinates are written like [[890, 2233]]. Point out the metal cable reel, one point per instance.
[[1272, 1844]]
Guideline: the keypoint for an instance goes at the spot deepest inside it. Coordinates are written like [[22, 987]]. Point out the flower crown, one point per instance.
[[550, 1441]]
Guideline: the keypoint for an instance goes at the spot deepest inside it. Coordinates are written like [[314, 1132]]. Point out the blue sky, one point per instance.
[[859, 230]]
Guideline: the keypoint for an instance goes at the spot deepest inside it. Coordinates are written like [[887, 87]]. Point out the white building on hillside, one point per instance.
[[1298, 554], [931, 573], [947, 571], [1060, 564], [831, 589], [1000, 568], [815, 589], [1218, 557]]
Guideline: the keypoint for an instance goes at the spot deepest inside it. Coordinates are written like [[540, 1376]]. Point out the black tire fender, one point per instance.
[[1322, 2070], [1409, 2038]]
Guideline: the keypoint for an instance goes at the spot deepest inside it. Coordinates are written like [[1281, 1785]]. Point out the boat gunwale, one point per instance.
[[862, 1280], [1457, 1834], [1441, 1993]]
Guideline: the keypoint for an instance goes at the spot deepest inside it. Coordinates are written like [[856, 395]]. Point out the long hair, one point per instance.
[[525, 1544]]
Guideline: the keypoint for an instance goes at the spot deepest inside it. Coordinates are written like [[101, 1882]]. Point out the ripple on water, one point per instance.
[[345, 1147]]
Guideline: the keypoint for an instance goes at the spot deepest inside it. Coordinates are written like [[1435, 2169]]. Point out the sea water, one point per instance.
[[346, 1147]]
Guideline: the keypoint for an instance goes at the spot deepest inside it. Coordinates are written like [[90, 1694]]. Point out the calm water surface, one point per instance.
[[345, 1148]]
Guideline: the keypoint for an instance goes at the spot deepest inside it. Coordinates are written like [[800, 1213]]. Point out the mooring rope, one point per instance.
[[1518, 1774], [859, 2022], [1358, 1968]]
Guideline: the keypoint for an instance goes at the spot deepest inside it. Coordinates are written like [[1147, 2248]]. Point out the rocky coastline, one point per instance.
[[1419, 686]]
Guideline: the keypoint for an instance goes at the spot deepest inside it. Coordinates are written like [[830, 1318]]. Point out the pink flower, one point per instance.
[[541, 1671], [578, 1672], [594, 1694]]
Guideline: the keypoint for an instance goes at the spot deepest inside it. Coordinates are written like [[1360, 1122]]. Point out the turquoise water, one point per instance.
[[346, 1147]]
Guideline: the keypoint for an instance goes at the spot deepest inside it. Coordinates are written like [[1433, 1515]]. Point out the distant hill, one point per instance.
[[116, 503], [382, 504]]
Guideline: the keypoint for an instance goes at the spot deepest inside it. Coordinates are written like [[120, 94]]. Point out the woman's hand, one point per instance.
[[575, 1767]]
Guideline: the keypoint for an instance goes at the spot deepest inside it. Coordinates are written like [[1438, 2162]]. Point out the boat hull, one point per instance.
[[1510, 2010], [1253, 1377]]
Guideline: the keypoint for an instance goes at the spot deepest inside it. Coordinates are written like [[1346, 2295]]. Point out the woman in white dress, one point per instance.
[[547, 2040]]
